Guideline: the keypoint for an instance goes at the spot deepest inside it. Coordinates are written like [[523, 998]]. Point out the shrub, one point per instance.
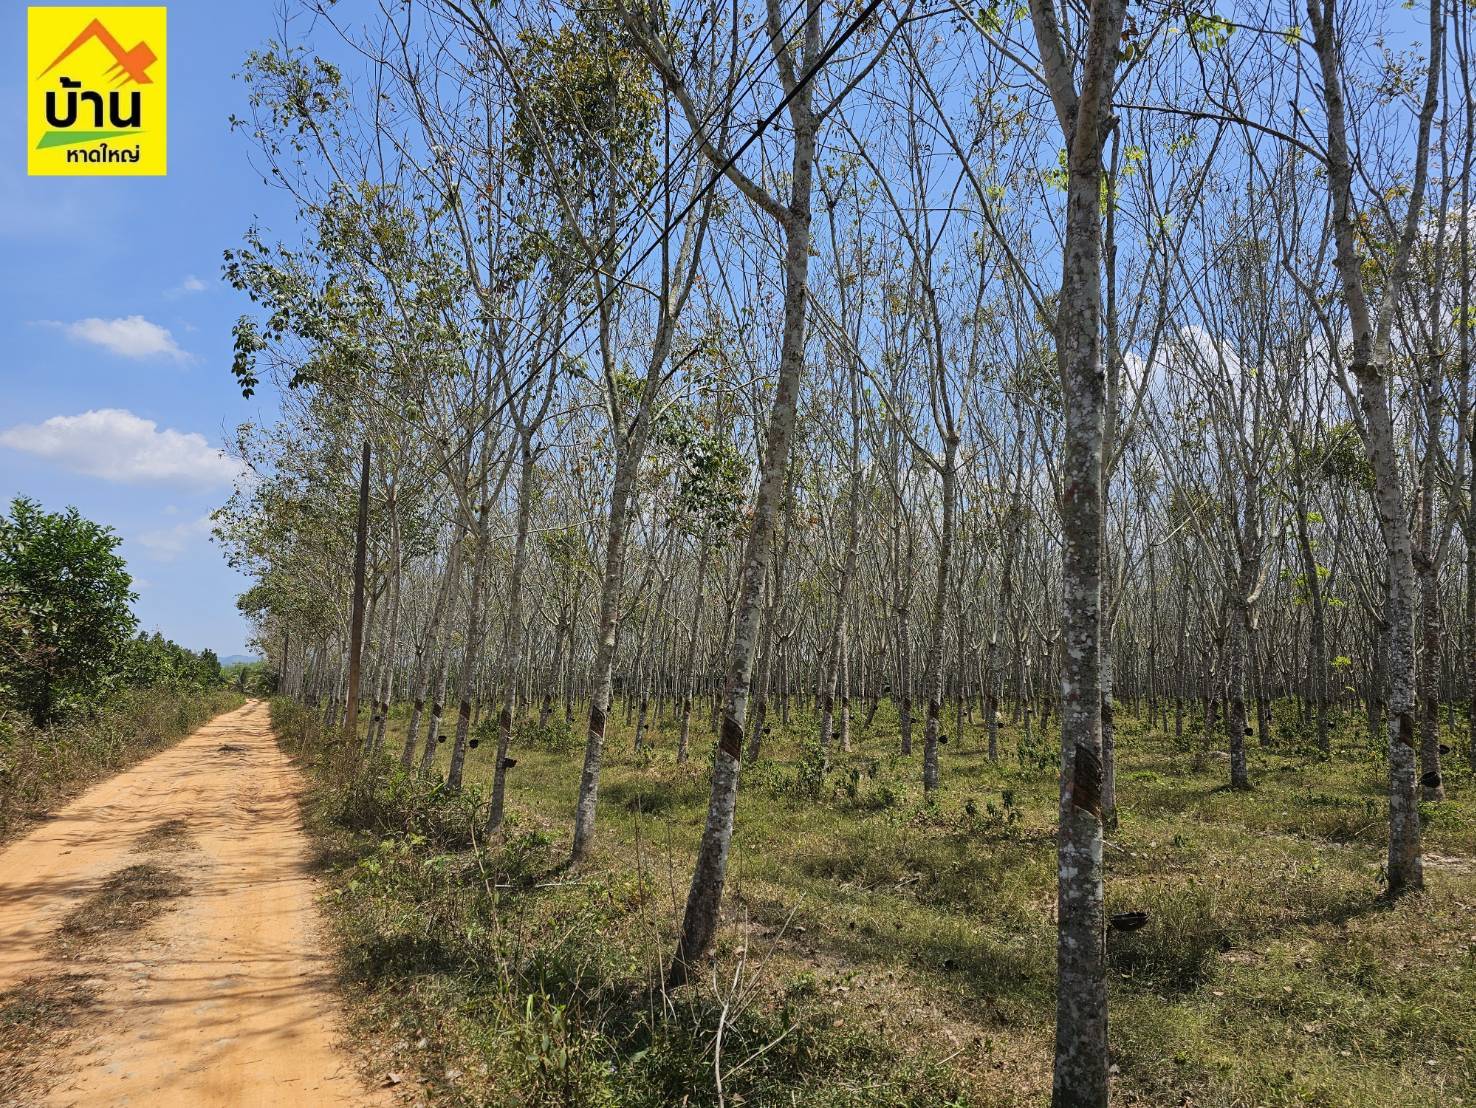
[[64, 615], [557, 736]]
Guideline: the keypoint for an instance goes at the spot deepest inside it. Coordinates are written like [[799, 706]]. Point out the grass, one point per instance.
[[126, 901], [41, 768], [35, 1017], [166, 836], [881, 949]]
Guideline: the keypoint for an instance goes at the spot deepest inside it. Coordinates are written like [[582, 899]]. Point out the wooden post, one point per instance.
[[356, 628]]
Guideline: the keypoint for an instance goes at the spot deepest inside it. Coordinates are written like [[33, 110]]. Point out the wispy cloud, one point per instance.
[[168, 543], [130, 336], [116, 445], [188, 287]]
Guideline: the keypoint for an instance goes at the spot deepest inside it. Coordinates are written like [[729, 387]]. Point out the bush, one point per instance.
[[407, 804], [557, 736], [64, 616]]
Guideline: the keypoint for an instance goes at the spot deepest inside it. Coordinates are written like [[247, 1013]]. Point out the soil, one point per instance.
[[180, 894]]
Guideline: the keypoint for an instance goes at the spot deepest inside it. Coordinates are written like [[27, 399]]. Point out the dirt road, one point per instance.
[[176, 902]]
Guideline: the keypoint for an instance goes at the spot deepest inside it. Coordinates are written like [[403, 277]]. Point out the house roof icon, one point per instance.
[[130, 65]]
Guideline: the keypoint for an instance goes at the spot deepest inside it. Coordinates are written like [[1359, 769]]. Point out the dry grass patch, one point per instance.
[[35, 1016], [126, 902], [170, 835]]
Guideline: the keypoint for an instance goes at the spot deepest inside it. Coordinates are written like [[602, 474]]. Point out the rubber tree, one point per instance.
[[1369, 362], [1084, 110], [798, 59]]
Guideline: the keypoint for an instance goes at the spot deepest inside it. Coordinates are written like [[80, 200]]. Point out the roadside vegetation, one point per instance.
[[251, 678], [883, 948], [82, 695]]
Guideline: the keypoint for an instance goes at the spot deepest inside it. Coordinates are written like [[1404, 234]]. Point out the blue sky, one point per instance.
[[111, 303]]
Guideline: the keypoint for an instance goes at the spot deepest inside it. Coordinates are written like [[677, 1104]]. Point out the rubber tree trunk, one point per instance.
[[991, 694], [1319, 661], [356, 619], [1108, 677], [437, 712], [828, 678], [704, 898], [904, 678], [933, 666], [423, 678], [1080, 1075], [844, 725], [1432, 785], [1471, 623], [1427, 562], [1370, 359], [471, 652], [848, 568], [514, 636], [602, 672], [643, 715], [384, 685], [689, 658], [555, 666], [1235, 716], [772, 640], [766, 669], [1109, 742]]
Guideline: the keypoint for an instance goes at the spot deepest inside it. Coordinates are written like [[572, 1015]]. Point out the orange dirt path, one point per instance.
[[226, 999]]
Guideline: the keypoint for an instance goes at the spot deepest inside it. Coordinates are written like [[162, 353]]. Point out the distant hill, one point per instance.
[[238, 660]]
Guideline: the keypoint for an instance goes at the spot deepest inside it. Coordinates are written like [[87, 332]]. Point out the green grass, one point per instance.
[[892, 951]]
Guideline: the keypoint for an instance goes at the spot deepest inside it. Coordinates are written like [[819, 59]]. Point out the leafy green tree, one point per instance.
[[64, 608], [152, 661]]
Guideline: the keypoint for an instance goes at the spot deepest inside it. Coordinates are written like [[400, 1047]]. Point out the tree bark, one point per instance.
[[1080, 1077], [422, 681], [689, 659], [471, 651], [602, 671], [933, 674], [1370, 362], [513, 658], [356, 620], [704, 898]]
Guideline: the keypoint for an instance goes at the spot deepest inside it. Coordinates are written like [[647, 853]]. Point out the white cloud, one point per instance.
[[130, 336], [168, 543], [116, 445], [190, 285]]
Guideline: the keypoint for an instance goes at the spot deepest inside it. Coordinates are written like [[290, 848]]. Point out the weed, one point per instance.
[[167, 835], [35, 1016], [126, 901]]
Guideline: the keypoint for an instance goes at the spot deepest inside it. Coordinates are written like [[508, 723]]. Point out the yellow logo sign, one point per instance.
[[96, 103]]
